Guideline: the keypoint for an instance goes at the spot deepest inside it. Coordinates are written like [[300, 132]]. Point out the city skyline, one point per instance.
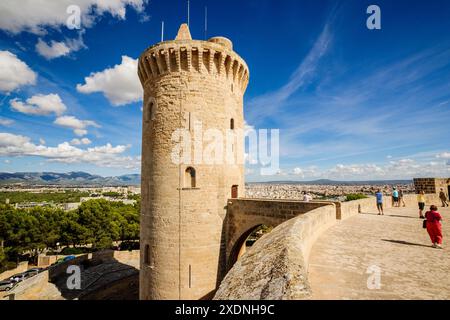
[[350, 103]]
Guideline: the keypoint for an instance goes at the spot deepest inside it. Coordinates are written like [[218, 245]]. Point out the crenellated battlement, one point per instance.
[[214, 57]]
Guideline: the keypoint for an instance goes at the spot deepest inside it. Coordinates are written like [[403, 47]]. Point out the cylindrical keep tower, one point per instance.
[[194, 86]]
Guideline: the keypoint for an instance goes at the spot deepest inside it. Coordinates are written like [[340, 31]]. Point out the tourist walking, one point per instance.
[[401, 201], [395, 197], [379, 196], [421, 201], [443, 198], [434, 226]]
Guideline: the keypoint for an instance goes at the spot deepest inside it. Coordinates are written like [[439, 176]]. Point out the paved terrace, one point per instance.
[[396, 242]]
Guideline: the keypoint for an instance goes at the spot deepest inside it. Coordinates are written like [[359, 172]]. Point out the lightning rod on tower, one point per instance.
[[189, 13]]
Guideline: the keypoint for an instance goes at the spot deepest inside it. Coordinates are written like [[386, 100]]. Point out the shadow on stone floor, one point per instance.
[[369, 213], [399, 216], [407, 243], [389, 215], [102, 278]]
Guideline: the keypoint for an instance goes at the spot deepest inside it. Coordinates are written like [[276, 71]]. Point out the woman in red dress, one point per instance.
[[434, 226]]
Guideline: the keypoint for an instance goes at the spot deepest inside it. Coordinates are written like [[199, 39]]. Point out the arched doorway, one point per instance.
[[246, 240]]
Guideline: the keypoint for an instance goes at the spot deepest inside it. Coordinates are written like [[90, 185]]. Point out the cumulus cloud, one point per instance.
[[309, 172], [401, 169], [119, 84], [104, 156], [58, 49], [444, 155], [34, 16], [14, 73], [40, 105], [77, 142], [79, 126], [6, 122]]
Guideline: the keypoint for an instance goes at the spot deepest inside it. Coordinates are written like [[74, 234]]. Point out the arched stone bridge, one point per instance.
[[244, 216]]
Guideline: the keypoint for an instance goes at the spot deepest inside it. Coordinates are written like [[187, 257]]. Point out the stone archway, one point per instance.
[[244, 216], [239, 247]]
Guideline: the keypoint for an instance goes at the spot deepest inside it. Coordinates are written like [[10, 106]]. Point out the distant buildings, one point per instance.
[[95, 193], [294, 191]]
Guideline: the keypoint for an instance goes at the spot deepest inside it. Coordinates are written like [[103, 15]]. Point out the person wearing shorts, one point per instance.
[[421, 202], [395, 198], [379, 196]]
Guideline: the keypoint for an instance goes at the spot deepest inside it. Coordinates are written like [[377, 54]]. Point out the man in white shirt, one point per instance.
[[307, 197]]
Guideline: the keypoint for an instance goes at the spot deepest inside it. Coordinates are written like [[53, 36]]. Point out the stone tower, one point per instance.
[[194, 86]]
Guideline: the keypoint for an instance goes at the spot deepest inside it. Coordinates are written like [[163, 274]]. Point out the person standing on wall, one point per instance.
[[401, 201], [434, 226], [443, 198], [395, 198], [421, 201], [379, 196]]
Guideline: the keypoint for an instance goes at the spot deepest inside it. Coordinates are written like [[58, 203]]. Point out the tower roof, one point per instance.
[[184, 33]]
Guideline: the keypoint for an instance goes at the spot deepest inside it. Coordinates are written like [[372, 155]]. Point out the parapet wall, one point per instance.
[[348, 209], [21, 267], [50, 284], [244, 215], [276, 266], [202, 57]]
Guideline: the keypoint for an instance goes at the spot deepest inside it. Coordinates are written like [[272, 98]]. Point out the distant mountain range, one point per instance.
[[69, 179], [83, 178], [342, 183]]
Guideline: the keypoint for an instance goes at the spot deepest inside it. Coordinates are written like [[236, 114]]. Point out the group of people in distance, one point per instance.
[[433, 219]]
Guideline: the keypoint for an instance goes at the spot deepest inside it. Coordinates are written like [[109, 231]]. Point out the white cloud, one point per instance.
[[309, 172], [54, 50], [119, 84], [402, 169], [14, 73], [404, 161], [6, 122], [7, 161], [58, 49], [77, 142], [78, 126], [41, 141], [40, 105], [444, 155], [34, 16], [103, 156]]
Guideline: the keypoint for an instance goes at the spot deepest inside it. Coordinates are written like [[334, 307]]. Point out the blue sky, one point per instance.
[[351, 103]]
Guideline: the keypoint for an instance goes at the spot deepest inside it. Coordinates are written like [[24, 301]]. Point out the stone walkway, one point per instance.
[[395, 243]]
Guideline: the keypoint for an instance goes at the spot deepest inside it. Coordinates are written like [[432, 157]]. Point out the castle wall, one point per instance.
[[431, 185], [244, 215], [276, 266]]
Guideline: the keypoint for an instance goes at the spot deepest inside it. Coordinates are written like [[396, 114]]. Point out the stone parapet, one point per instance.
[[276, 266], [193, 56]]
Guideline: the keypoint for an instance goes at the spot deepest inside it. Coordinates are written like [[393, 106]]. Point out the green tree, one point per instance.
[[3, 259], [97, 217]]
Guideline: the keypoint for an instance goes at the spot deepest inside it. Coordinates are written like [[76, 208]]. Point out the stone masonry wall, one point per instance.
[[244, 215], [194, 86], [276, 266]]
